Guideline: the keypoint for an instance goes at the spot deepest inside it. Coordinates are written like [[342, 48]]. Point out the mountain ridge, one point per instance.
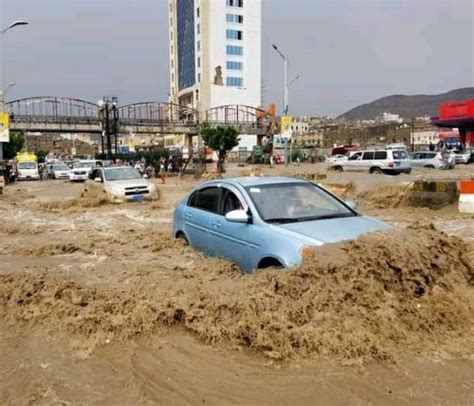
[[407, 106]]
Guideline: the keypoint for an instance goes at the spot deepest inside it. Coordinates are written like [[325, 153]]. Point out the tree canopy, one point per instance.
[[17, 141], [220, 137]]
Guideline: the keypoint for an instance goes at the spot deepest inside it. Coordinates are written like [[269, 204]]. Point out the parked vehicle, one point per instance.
[[59, 170], [261, 222], [337, 158], [462, 157], [120, 184], [82, 169], [27, 166], [432, 159], [387, 161]]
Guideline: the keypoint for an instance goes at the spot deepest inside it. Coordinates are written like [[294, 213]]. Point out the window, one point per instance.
[[235, 3], [234, 18], [206, 199], [234, 82], [232, 65], [199, 78], [198, 12], [199, 62], [230, 3], [198, 28], [231, 202], [399, 154], [199, 45], [239, 3], [355, 157], [380, 155], [235, 50], [234, 34], [368, 155]]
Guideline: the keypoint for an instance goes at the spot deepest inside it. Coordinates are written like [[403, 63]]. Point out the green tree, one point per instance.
[[220, 138], [17, 141], [41, 153]]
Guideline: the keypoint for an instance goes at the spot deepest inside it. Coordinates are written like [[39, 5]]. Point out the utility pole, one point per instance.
[[285, 81]]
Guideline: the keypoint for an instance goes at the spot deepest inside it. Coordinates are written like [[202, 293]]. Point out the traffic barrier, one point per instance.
[[433, 194], [466, 196]]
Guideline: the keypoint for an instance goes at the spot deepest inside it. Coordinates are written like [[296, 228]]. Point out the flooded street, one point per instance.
[[100, 305]]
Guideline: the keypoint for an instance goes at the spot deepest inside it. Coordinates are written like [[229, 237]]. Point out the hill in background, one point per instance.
[[407, 106]]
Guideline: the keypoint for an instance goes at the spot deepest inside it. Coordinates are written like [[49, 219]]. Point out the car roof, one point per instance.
[[254, 181]]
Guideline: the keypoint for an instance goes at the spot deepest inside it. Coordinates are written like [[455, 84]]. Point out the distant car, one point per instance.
[[462, 157], [387, 161], [81, 169], [336, 158], [261, 222], [120, 184], [432, 159], [59, 171]]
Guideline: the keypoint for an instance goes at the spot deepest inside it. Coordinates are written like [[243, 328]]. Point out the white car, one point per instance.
[[386, 161], [82, 169], [337, 158], [120, 184], [59, 170]]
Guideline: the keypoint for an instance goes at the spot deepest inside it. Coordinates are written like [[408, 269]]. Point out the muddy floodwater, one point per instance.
[[100, 305]]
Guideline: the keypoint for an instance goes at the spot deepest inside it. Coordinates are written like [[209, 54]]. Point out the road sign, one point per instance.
[[4, 127]]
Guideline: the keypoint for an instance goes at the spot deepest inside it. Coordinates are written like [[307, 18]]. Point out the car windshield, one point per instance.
[[60, 167], [296, 202], [121, 174], [26, 165], [83, 164], [399, 154]]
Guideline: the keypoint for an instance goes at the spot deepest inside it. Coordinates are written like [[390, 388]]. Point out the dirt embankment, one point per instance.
[[410, 291]]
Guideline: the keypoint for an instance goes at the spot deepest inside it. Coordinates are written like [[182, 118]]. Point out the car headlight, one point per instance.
[[307, 252], [117, 190]]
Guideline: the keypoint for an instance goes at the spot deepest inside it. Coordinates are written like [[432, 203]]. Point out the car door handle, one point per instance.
[[216, 225], [189, 216]]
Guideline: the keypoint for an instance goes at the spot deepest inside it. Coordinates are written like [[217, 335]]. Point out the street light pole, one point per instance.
[[2, 93], [285, 84]]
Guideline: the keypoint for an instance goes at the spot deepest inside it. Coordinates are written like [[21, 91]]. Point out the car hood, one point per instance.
[[338, 229], [129, 183]]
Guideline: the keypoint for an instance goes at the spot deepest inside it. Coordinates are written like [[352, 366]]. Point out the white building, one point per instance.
[[389, 118], [215, 52]]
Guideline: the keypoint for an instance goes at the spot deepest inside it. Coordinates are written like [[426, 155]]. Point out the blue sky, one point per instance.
[[347, 52]]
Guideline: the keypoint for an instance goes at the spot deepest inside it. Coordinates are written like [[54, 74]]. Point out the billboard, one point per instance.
[[285, 123], [4, 127]]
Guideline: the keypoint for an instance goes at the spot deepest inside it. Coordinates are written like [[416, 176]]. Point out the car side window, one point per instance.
[[355, 157], [205, 199], [97, 173], [380, 155], [368, 155], [231, 202]]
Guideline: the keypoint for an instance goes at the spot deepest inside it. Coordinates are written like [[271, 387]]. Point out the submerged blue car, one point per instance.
[[260, 222]]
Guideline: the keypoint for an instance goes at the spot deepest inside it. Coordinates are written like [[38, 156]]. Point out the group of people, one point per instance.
[[443, 146], [9, 171]]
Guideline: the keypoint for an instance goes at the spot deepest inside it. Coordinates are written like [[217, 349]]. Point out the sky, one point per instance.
[[347, 52]]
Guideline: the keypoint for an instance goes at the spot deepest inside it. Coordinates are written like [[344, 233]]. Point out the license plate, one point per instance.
[[137, 198]]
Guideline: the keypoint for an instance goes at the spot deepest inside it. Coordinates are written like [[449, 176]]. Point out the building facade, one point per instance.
[[215, 52]]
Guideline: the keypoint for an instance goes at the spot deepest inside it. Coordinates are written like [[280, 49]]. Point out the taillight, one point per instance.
[[391, 164]]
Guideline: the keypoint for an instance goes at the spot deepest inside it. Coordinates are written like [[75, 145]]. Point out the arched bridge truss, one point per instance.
[[64, 114]]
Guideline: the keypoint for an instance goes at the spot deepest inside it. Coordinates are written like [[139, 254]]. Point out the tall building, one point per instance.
[[215, 52]]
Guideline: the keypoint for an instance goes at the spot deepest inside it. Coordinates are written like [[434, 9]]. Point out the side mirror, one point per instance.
[[98, 180], [145, 176], [351, 204], [237, 216]]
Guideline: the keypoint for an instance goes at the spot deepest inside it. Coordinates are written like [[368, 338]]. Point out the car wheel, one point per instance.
[[180, 236], [429, 166], [270, 263], [377, 171], [338, 169]]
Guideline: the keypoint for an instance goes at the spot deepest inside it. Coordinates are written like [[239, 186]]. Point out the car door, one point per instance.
[[353, 163], [202, 204], [93, 186], [367, 161], [417, 159], [230, 240]]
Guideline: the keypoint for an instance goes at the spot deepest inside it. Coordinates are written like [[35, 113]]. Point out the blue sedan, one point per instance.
[[260, 222]]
